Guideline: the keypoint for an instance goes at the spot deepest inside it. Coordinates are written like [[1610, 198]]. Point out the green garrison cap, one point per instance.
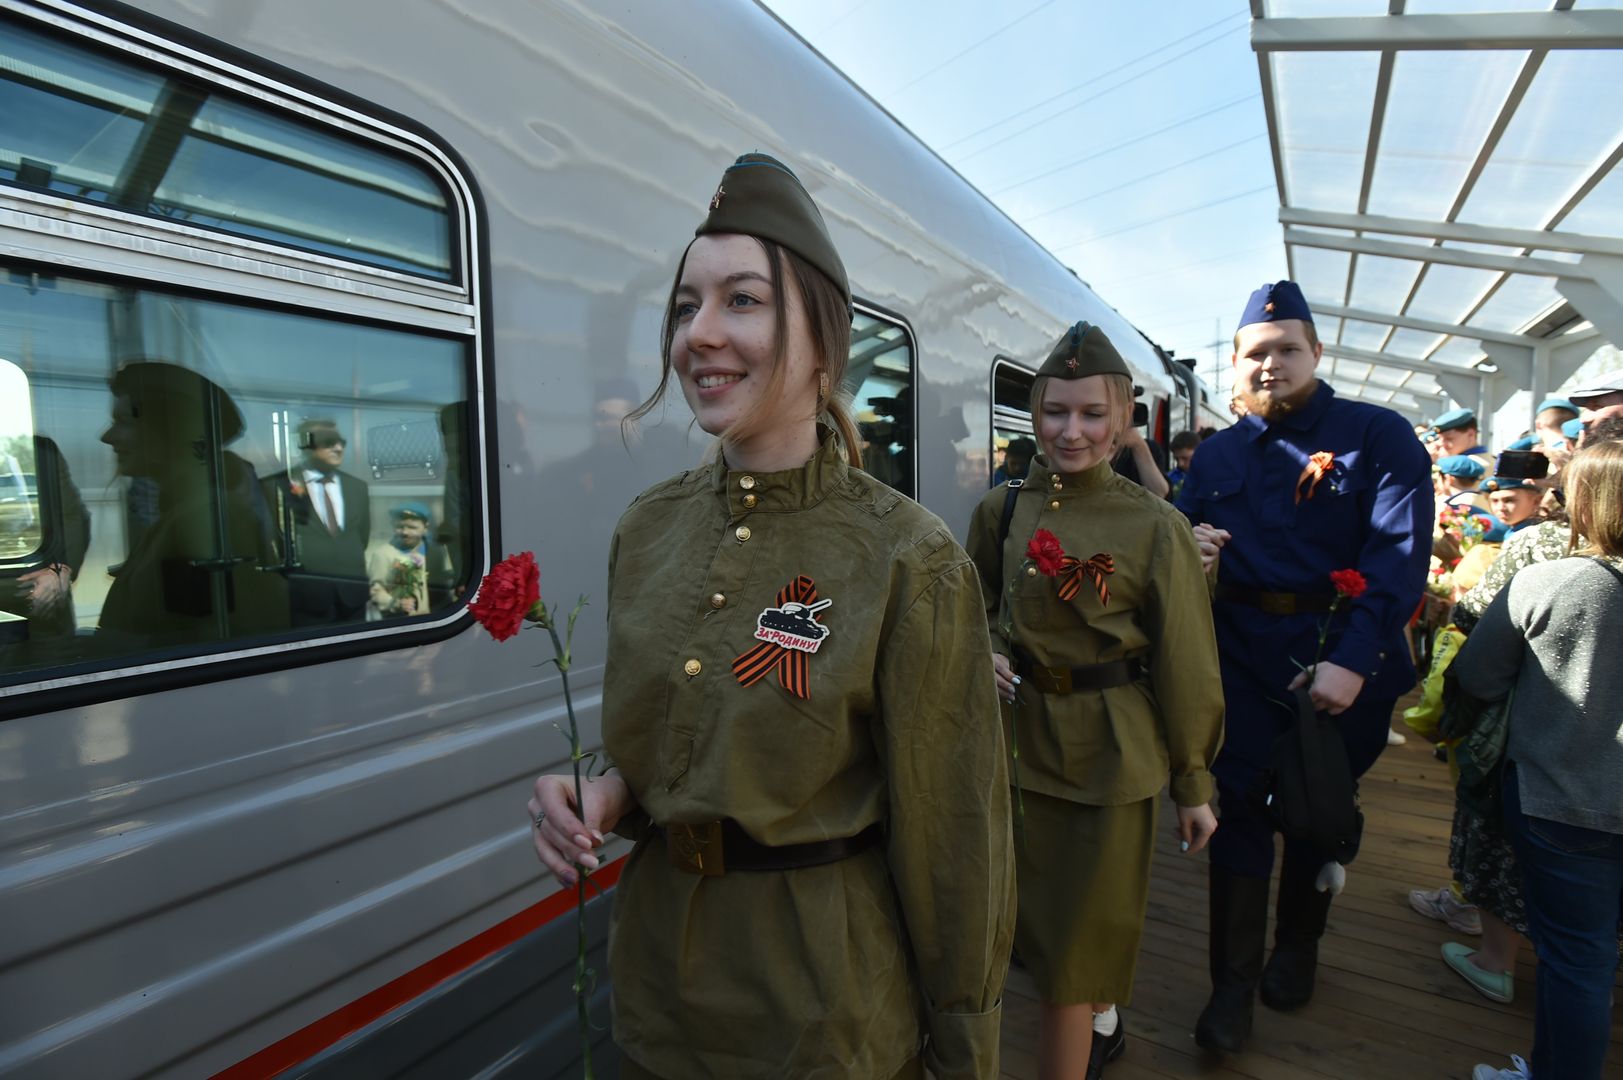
[[1081, 351], [759, 196]]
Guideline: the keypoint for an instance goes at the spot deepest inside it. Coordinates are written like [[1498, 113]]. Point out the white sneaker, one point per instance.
[[1518, 1071], [1395, 737], [1441, 904]]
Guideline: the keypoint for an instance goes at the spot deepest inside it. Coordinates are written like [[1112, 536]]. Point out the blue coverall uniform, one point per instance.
[[1370, 512]]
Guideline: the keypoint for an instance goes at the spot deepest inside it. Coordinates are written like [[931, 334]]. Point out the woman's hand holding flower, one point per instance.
[[564, 840]]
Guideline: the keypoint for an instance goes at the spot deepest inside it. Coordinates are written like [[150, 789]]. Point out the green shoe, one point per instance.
[[1496, 987]]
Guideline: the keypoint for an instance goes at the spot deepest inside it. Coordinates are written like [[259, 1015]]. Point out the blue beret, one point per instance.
[[1573, 429], [1462, 466], [1455, 418], [1556, 403], [1275, 301], [1508, 483], [1526, 442], [410, 507]]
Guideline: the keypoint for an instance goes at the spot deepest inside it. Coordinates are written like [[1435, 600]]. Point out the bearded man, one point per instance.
[[1304, 484]]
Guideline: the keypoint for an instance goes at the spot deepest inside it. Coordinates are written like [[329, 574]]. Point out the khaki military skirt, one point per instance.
[[1084, 880]]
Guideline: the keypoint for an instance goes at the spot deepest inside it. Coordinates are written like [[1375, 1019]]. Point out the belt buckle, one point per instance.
[[696, 849], [1278, 603]]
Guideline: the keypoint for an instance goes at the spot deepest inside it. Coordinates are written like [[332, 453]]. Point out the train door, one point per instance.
[[1013, 442]]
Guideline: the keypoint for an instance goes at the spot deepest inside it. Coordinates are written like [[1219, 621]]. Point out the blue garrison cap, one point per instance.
[[1555, 403], [1526, 442], [1462, 466], [1274, 301], [1507, 483], [410, 508], [1455, 418], [1573, 429]]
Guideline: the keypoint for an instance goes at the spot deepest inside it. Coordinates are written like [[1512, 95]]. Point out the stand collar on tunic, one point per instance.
[[1300, 420], [790, 489], [1039, 475]]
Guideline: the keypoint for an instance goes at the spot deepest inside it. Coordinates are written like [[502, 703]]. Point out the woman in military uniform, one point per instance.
[[802, 723], [1111, 672]]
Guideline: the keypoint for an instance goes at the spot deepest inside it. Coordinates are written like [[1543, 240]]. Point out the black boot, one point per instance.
[[1239, 925], [1287, 982]]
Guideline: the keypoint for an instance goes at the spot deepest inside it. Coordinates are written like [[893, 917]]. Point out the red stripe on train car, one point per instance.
[[312, 1039]]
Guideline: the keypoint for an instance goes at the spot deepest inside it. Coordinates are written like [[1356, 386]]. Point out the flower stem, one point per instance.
[[581, 989]]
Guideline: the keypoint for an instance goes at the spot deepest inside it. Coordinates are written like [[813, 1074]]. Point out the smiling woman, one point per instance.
[[839, 632]]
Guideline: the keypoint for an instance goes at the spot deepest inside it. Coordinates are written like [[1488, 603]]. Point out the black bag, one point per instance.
[[1309, 789]]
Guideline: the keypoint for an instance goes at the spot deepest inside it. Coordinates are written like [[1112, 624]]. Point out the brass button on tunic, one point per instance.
[[838, 970]]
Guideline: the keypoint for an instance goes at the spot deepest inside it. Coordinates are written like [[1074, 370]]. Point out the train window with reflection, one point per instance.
[[1013, 444], [881, 371], [110, 130], [212, 475]]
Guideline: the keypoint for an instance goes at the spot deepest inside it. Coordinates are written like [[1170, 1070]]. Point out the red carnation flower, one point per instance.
[[1045, 550], [1348, 583], [507, 595]]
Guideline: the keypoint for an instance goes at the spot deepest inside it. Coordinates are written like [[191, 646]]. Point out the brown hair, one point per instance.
[[828, 320], [1118, 396], [1593, 483]]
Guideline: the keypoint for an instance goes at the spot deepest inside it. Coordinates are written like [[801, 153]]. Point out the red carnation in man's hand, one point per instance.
[[1045, 550], [507, 595], [1348, 583]]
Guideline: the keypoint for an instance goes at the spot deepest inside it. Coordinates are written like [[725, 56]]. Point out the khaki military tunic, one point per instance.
[[839, 970], [1120, 745]]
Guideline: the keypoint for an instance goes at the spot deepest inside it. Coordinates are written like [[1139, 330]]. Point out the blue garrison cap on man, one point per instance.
[[1457, 428], [1304, 484]]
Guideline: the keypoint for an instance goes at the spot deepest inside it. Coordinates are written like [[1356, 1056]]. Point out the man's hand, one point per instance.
[[1334, 688], [1210, 540]]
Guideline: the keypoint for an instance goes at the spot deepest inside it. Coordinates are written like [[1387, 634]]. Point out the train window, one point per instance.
[[1012, 444], [108, 130], [881, 369], [218, 475]]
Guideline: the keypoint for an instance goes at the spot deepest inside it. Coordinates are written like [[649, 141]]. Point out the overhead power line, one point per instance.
[[1147, 71], [1141, 179], [1163, 217], [1110, 284], [971, 48], [1128, 142]]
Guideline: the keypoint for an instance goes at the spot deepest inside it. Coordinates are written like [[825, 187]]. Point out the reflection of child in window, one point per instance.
[[398, 569]]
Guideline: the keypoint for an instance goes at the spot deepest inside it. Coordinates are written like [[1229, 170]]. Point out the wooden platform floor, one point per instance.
[[1386, 1005]]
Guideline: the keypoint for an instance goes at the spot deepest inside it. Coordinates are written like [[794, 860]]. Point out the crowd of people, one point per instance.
[[862, 765]]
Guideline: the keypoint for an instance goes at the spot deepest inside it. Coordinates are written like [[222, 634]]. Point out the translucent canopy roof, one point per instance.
[[1448, 183]]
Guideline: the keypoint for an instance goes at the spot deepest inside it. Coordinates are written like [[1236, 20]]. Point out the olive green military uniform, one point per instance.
[[839, 970], [1091, 762]]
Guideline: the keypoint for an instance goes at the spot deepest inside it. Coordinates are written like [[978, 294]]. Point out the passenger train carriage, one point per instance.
[[239, 835]]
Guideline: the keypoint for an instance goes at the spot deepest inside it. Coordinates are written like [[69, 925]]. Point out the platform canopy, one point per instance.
[[1449, 189]]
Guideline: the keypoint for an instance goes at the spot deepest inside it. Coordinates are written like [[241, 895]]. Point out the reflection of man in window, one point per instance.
[[192, 575], [330, 519], [399, 567]]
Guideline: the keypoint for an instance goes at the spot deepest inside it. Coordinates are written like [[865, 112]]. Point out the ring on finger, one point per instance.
[[539, 818]]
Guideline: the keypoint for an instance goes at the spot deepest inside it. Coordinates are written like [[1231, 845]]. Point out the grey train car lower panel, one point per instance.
[[510, 1015]]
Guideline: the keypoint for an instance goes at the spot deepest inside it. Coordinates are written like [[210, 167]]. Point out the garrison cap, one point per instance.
[[1610, 383], [177, 401], [1556, 403], [759, 196], [1508, 483], [1526, 442], [409, 508], [1455, 419], [1461, 467], [1573, 429], [1275, 301], [1081, 351]]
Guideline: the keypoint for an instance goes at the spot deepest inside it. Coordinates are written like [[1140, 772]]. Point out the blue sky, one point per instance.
[[1133, 148]]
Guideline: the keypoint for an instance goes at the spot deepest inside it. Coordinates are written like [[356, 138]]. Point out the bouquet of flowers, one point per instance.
[[408, 577]]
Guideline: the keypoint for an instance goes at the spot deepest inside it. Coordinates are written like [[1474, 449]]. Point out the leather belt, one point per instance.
[[1276, 603], [1066, 680], [713, 848]]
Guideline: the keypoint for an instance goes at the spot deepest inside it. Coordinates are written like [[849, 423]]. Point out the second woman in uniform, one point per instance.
[[1111, 668]]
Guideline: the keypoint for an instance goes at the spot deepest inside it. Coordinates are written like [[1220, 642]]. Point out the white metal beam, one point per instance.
[[1580, 243], [1427, 325], [1365, 356], [1589, 29], [1476, 260]]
